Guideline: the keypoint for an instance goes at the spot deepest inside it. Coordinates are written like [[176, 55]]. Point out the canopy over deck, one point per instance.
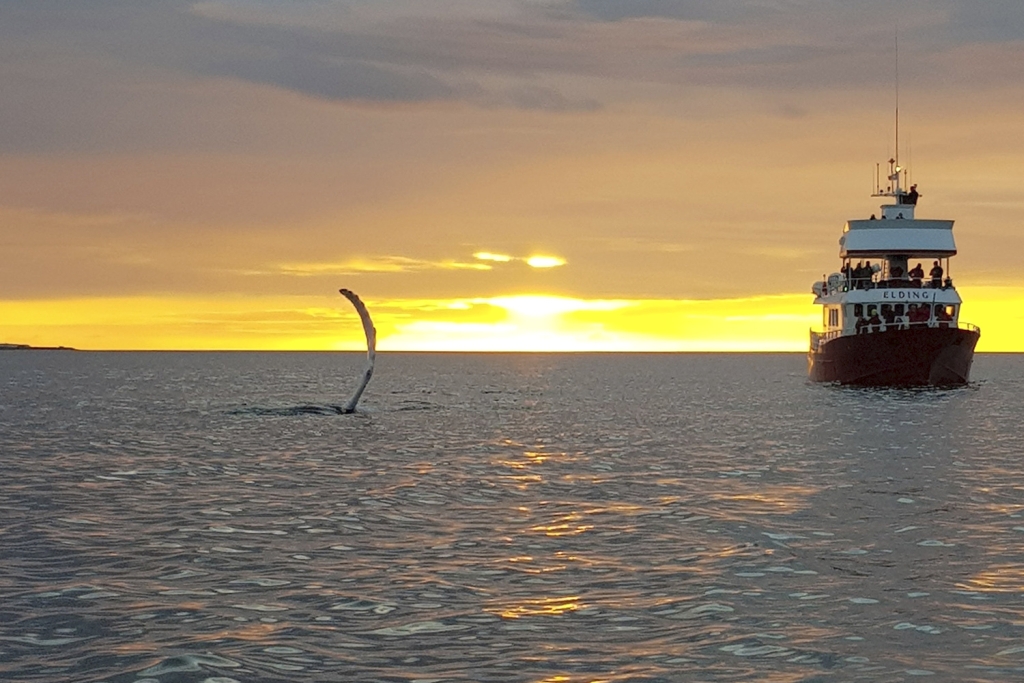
[[886, 237]]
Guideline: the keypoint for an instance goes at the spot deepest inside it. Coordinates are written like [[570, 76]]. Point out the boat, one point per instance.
[[885, 323]]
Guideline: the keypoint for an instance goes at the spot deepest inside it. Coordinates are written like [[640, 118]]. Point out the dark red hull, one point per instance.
[[920, 356]]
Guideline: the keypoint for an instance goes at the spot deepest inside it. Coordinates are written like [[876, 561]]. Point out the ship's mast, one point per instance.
[[897, 154], [895, 188]]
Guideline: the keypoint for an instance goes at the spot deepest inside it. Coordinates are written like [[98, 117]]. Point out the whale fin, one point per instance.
[[371, 348]]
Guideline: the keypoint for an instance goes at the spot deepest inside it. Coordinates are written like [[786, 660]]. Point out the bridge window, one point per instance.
[[944, 313], [858, 310]]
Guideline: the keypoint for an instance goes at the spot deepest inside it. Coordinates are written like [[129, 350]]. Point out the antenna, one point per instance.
[[897, 175], [897, 42], [910, 157]]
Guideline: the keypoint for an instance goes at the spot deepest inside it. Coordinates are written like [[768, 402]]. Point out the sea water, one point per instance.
[[206, 517]]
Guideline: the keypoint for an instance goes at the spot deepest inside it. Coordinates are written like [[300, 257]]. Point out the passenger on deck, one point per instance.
[[888, 315], [916, 275], [875, 323], [936, 275], [912, 196], [869, 273], [861, 325], [858, 275]]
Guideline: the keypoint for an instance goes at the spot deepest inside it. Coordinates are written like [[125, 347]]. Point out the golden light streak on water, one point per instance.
[[556, 530], [554, 606], [255, 632], [567, 525], [767, 500], [617, 509], [532, 458], [526, 565], [137, 647], [740, 498], [997, 579]]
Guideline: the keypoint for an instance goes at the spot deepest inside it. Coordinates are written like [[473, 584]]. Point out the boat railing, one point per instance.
[[818, 339], [838, 285]]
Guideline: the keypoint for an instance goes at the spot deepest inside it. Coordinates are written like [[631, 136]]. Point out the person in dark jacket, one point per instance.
[[912, 196], [916, 275]]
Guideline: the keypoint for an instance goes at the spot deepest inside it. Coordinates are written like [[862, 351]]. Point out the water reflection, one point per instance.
[[552, 606], [722, 521], [998, 579]]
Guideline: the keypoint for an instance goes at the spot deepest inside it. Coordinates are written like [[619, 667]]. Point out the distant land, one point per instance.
[[26, 347]]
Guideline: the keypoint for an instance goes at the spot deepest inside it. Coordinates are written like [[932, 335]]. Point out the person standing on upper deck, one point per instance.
[[912, 196], [936, 275], [916, 275]]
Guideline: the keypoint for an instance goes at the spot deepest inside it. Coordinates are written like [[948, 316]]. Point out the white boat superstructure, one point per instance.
[[902, 266], [893, 286]]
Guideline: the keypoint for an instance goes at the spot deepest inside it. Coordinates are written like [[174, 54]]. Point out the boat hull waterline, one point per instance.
[[924, 356]]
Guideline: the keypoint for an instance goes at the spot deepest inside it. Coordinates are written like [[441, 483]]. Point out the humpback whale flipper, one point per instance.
[[371, 349]]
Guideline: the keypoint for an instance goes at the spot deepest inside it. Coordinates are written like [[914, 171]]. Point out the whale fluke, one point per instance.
[[371, 349]]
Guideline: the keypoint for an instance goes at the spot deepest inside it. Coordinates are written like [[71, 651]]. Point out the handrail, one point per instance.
[[825, 336], [850, 284]]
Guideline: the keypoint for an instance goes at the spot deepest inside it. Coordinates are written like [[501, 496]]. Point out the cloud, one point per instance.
[[378, 264], [691, 10], [488, 256], [343, 56], [535, 261], [533, 306], [119, 63], [405, 264], [545, 261], [990, 21]]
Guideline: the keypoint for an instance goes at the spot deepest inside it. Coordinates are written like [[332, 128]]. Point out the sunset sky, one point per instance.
[[489, 174]]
